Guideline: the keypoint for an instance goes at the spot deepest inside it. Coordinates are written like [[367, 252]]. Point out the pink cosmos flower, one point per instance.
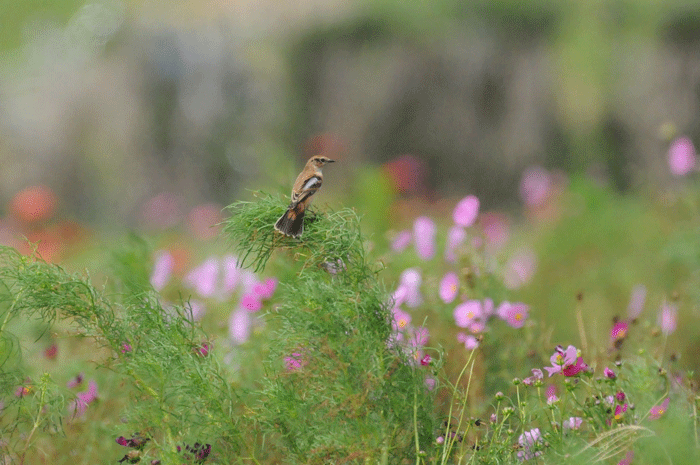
[[495, 227], [628, 458], [126, 347], [681, 156], [469, 341], [430, 383], [535, 186], [420, 337], [425, 361], [609, 373], [449, 286], [78, 406], [239, 326], [536, 374], [658, 410], [514, 314], [424, 237], [575, 368], [231, 271], [528, 441], [455, 238], [250, 302], [401, 241], [162, 269], [520, 269], [667, 318], [402, 320], [619, 331], [620, 396], [573, 423], [204, 278], [264, 290], [411, 281], [561, 359], [636, 305], [162, 211], [467, 312], [466, 211]]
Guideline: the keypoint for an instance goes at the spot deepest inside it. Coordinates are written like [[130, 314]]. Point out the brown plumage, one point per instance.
[[308, 182]]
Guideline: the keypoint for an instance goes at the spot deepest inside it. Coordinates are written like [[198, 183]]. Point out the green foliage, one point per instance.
[[334, 389]]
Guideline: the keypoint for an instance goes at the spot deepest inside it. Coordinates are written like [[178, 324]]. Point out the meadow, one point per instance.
[[563, 332]]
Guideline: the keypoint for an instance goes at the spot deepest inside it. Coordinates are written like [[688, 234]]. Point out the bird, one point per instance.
[[307, 183]]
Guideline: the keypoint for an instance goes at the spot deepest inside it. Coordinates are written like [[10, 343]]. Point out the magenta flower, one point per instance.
[[126, 347], [424, 237], [574, 368], [75, 382], [620, 410], [162, 269], [667, 318], [628, 458], [619, 331], [401, 241], [411, 281], [204, 278], [658, 410], [681, 156], [519, 269], [513, 314], [51, 351], [430, 383], [466, 211], [455, 238], [401, 319], [449, 286], [295, 361], [535, 186], [561, 359], [609, 373], [469, 341], [250, 302], [78, 406], [239, 326], [551, 391], [620, 396], [265, 290], [636, 305], [467, 312]]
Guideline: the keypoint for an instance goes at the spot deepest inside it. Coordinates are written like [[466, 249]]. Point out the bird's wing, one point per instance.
[[306, 187]]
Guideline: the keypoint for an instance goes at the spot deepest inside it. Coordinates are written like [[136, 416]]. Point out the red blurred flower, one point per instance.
[[33, 203]]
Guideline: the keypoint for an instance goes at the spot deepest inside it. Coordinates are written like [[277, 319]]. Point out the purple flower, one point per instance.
[[467, 312], [424, 237], [449, 286], [609, 373], [620, 411], [658, 410], [528, 441], [78, 406], [513, 314], [573, 423], [667, 318], [204, 278], [519, 269], [126, 347], [466, 211], [681, 156], [636, 305], [295, 361], [628, 458], [535, 186], [239, 326], [162, 269], [401, 241], [620, 396], [455, 238], [75, 382]]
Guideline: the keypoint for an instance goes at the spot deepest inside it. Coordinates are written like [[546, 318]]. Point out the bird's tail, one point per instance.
[[292, 222]]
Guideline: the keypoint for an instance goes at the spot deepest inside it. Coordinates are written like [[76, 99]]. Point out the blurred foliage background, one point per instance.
[[130, 109]]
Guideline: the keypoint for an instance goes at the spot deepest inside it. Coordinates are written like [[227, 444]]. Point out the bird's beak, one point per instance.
[[330, 161]]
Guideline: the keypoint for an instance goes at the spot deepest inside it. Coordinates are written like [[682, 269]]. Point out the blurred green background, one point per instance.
[[123, 108]]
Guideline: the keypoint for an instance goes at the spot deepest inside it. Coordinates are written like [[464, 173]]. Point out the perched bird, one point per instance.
[[306, 185]]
